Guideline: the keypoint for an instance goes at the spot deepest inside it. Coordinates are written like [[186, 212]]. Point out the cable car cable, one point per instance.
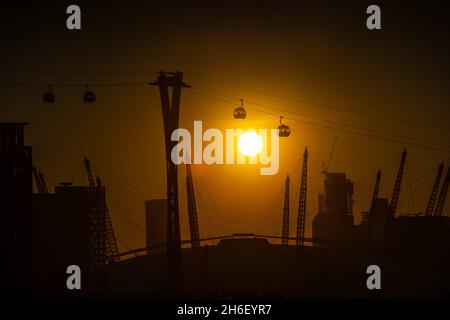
[[329, 127], [336, 107], [342, 123]]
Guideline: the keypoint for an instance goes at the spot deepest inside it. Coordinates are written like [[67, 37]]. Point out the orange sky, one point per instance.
[[302, 51]]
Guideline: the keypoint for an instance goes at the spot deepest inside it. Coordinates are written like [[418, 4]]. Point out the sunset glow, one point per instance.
[[250, 143]]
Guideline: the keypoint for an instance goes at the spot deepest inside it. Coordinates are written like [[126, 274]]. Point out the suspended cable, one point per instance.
[[326, 126], [82, 72], [335, 122], [218, 216], [296, 99], [262, 105], [267, 218], [335, 107], [95, 84]]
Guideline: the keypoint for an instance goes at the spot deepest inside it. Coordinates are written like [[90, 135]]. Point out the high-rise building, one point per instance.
[[334, 221], [379, 219], [16, 214], [156, 222], [71, 231], [339, 194], [45, 244], [83, 225]]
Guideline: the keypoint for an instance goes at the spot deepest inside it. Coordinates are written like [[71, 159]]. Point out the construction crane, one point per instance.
[[302, 201], [87, 165], [192, 209], [434, 191], [40, 181], [327, 166], [112, 251], [398, 183], [285, 230], [376, 190], [37, 180], [43, 183], [442, 194]]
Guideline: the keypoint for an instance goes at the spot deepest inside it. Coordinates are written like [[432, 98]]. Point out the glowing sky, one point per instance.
[[317, 52]]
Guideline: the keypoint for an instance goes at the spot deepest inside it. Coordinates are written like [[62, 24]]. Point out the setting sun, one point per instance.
[[250, 143]]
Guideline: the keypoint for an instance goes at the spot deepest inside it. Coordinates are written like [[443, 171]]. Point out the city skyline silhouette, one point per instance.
[[355, 98]]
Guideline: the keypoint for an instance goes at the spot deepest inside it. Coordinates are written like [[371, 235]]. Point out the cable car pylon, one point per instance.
[[171, 117]]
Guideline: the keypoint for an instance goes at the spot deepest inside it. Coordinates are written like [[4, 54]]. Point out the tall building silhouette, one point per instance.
[[16, 210], [334, 221], [83, 227], [46, 243], [71, 231], [378, 220]]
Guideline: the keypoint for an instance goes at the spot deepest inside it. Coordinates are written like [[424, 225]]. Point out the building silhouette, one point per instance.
[[421, 241], [44, 233], [334, 221], [71, 231], [16, 227], [380, 216]]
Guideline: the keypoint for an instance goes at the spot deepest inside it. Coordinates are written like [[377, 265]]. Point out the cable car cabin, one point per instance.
[[89, 97], [240, 112], [283, 130], [49, 96]]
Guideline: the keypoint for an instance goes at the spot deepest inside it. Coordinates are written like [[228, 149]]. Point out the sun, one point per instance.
[[250, 143]]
